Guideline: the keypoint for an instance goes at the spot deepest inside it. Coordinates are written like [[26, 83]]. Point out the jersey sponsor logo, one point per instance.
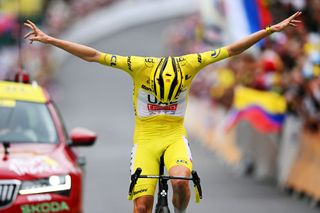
[[154, 100], [149, 62], [216, 53], [129, 63], [148, 105], [155, 107], [146, 88], [113, 60], [199, 58], [182, 162], [182, 61], [140, 191], [188, 77]]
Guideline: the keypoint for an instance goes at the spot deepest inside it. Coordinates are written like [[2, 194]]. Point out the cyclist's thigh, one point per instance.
[[143, 156], [178, 154]]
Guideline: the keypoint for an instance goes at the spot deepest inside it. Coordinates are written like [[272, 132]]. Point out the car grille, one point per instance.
[[8, 191]]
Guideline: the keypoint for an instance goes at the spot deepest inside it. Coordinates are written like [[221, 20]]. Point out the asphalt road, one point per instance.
[[99, 98]]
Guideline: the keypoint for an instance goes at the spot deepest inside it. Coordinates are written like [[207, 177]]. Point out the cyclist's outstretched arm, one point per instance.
[[240, 46], [200, 60], [82, 51]]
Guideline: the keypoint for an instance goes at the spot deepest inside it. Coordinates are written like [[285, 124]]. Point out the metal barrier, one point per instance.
[[288, 147], [259, 152], [207, 124]]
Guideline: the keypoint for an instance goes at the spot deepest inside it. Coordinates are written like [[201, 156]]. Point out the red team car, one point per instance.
[[40, 171]]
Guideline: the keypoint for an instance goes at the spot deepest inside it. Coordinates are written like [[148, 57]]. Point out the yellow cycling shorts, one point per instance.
[[146, 155]]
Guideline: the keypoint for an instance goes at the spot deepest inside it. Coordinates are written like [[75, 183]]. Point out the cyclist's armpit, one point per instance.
[[200, 60], [129, 64]]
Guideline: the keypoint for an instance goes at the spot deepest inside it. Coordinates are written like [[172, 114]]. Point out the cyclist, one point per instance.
[[161, 86]]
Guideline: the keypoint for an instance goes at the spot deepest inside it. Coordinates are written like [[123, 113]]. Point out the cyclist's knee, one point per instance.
[[143, 204], [180, 185], [140, 208]]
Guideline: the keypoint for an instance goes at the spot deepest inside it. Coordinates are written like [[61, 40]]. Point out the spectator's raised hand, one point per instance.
[[291, 21], [36, 34]]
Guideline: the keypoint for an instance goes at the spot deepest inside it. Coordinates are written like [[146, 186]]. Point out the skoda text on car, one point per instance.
[[39, 168]]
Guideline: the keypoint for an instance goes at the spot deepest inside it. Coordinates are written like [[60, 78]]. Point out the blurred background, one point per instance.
[[253, 120]]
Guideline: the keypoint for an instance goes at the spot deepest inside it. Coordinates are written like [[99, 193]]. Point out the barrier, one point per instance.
[[293, 160], [259, 151], [305, 173], [241, 147], [206, 122], [288, 148]]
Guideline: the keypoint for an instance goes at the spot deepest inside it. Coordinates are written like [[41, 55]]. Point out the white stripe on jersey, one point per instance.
[[133, 154], [187, 147]]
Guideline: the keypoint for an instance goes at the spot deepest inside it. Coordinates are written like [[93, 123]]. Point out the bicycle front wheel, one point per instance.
[[163, 209]]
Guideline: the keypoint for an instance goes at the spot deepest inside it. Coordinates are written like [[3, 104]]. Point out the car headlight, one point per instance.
[[44, 185]]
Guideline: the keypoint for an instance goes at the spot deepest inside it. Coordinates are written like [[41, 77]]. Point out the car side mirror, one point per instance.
[[82, 137]]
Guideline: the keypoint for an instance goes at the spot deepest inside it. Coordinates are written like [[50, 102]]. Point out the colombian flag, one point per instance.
[[264, 110], [246, 16]]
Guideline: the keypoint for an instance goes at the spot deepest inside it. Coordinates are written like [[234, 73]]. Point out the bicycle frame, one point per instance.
[[162, 201]]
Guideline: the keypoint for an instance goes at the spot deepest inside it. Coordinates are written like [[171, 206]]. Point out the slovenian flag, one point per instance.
[[264, 110], [244, 17]]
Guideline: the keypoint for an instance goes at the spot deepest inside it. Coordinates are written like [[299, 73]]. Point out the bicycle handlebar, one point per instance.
[[164, 177], [195, 178]]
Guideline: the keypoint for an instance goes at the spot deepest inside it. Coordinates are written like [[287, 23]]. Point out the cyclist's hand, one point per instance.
[[35, 34], [291, 21]]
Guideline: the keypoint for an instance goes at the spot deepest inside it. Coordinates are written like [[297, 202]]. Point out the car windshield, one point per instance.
[[26, 122]]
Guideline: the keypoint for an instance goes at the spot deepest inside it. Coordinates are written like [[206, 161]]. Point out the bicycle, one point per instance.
[[162, 201]]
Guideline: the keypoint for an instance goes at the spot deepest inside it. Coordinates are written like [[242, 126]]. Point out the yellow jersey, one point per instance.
[[155, 119]]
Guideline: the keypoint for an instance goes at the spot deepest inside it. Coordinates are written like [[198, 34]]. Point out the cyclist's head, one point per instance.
[[167, 80]]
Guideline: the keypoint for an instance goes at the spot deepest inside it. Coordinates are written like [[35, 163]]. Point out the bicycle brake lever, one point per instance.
[[134, 178], [196, 182]]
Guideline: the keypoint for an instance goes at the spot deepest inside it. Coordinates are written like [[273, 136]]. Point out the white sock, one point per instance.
[[179, 211]]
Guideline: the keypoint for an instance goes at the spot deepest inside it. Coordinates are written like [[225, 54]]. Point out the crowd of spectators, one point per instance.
[[53, 16], [286, 62]]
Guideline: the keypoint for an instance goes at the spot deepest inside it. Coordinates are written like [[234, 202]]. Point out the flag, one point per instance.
[[246, 16], [264, 110]]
